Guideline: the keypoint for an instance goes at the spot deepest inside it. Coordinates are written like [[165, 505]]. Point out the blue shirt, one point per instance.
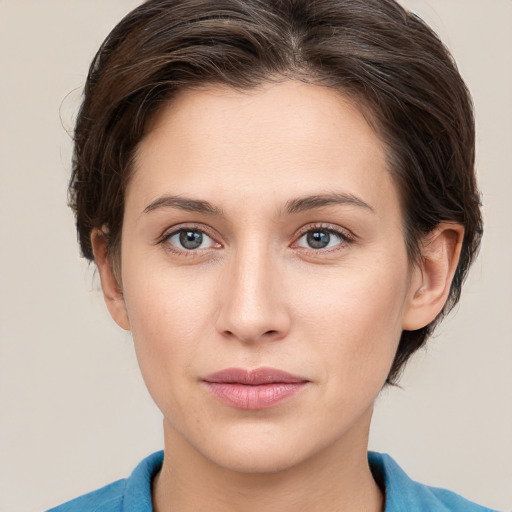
[[133, 494]]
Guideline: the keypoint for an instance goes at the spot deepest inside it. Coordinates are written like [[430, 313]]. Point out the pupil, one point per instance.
[[191, 239], [318, 239]]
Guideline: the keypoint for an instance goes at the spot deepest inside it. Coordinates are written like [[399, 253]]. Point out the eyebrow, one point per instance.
[[183, 203], [293, 206], [319, 200]]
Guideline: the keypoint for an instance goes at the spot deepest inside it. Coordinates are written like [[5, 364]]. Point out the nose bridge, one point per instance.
[[252, 306]]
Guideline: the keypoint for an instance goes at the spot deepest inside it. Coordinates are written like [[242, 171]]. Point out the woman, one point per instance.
[[281, 202]]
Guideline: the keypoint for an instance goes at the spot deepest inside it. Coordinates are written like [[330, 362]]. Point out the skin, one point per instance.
[[255, 293]]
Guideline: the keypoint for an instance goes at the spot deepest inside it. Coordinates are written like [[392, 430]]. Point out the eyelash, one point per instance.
[[185, 252], [345, 238]]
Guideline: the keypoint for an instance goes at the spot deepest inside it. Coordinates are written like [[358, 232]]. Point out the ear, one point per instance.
[[112, 292], [431, 279]]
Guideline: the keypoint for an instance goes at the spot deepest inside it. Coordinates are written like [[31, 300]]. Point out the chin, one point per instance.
[[256, 461], [259, 452]]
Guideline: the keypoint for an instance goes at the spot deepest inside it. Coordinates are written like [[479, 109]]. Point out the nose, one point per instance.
[[253, 300]]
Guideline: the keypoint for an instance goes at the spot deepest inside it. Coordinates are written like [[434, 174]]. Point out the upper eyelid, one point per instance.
[[164, 241], [346, 240], [342, 241], [344, 233], [167, 233], [332, 228]]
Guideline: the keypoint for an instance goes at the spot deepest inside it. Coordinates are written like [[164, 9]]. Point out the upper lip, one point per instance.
[[254, 377]]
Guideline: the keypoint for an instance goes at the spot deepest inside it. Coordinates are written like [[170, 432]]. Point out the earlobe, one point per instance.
[[432, 278], [112, 292]]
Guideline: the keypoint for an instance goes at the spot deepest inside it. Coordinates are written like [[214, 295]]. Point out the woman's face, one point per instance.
[[262, 231]]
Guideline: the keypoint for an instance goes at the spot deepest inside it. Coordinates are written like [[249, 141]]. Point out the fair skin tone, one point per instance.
[[295, 259]]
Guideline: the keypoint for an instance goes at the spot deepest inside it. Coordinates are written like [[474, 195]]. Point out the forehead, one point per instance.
[[278, 140]]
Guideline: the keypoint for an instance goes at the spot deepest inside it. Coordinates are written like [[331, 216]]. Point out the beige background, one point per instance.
[[74, 412]]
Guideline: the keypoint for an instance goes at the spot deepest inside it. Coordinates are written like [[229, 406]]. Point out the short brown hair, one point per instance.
[[382, 56]]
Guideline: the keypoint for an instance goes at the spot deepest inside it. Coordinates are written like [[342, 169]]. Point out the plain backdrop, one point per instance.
[[75, 414]]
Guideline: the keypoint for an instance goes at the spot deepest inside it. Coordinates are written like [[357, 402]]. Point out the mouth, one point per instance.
[[256, 389]]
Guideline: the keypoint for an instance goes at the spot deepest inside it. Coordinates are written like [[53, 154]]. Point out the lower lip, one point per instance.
[[243, 396]]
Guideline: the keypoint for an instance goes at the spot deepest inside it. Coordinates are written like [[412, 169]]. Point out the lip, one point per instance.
[[260, 388]]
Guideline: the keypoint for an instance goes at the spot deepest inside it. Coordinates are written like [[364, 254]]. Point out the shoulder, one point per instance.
[[404, 494], [132, 493], [106, 499]]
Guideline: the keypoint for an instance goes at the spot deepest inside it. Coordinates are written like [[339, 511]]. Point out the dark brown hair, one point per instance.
[[386, 59]]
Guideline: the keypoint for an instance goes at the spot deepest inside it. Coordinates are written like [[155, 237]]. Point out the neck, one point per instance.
[[337, 479]]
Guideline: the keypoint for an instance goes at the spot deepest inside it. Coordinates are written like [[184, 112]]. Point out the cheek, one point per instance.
[[171, 320], [354, 318], [169, 328], [156, 289]]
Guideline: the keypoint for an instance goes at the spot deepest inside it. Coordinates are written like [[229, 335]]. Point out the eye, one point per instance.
[[321, 238], [190, 240]]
